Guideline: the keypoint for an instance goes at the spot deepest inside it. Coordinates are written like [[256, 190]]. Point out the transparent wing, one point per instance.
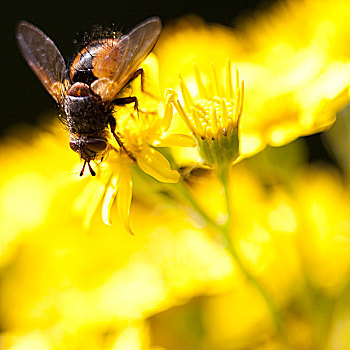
[[117, 68], [44, 58]]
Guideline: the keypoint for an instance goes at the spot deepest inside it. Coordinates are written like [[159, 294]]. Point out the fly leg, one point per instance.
[[135, 75], [113, 124], [121, 101], [140, 72]]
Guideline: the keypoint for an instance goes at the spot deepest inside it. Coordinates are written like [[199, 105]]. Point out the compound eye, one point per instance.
[[74, 146], [96, 145]]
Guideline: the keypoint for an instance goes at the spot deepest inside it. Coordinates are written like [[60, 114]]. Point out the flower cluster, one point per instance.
[[213, 116], [142, 131], [236, 244]]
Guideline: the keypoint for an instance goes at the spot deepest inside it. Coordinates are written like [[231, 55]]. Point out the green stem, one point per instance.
[[183, 190], [224, 176], [225, 230]]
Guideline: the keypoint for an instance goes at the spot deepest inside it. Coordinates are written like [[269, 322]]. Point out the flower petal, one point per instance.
[[93, 202], [180, 140], [155, 164], [108, 201], [124, 197], [168, 111]]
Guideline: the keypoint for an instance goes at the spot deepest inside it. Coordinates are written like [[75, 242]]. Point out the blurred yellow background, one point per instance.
[[70, 281]]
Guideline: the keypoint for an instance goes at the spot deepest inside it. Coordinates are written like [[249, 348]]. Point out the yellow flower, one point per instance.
[[324, 204], [212, 112], [90, 287], [101, 288], [296, 76], [141, 132]]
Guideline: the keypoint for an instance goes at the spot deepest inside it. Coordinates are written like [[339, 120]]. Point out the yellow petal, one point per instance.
[[155, 164], [201, 88], [188, 100], [108, 202], [187, 119], [168, 112], [82, 202], [215, 80], [124, 196], [180, 140], [229, 80], [96, 194]]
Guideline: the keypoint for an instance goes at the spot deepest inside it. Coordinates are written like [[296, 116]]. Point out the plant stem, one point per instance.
[[184, 191], [225, 230], [224, 176]]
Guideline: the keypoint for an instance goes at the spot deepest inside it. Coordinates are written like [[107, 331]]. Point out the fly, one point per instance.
[[87, 92]]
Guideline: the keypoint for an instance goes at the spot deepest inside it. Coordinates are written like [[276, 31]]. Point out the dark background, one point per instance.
[[23, 98]]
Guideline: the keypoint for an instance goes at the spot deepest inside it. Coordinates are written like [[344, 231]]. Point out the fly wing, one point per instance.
[[44, 58], [117, 68]]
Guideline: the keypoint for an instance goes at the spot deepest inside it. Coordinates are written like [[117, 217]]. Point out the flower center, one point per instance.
[[214, 118]]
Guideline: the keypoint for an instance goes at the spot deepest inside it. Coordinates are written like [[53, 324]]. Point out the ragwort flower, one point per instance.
[[141, 132], [296, 77], [212, 112]]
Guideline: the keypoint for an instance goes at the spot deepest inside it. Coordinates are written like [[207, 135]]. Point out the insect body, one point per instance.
[[87, 93]]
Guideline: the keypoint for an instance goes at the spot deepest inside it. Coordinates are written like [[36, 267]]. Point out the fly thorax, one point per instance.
[[79, 90], [84, 110]]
